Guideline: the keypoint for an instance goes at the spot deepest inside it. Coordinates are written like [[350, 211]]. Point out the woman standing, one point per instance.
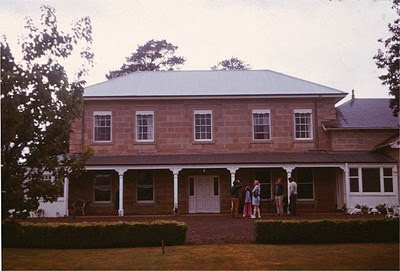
[[256, 199]]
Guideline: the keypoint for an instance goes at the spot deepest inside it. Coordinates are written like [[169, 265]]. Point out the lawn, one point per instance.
[[234, 256]]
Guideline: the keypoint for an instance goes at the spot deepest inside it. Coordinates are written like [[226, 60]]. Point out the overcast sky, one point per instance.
[[327, 42]]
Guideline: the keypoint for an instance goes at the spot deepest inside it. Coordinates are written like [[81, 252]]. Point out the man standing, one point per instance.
[[292, 196], [235, 198]]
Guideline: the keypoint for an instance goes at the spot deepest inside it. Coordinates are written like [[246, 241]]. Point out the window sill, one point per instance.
[[368, 194], [203, 142], [99, 204], [102, 143], [145, 143], [265, 141], [303, 141], [144, 204]]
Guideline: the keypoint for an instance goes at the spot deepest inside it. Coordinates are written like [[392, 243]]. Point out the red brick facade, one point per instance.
[[232, 126], [232, 132]]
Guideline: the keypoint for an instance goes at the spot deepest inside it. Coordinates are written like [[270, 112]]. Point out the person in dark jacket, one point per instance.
[[235, 198]]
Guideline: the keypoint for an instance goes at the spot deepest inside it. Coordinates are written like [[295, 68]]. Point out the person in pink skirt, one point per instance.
[[247, 202]]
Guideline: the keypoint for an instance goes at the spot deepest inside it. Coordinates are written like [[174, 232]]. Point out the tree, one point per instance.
[[38, 106], [231, 64], [154, 55], [389, 60]]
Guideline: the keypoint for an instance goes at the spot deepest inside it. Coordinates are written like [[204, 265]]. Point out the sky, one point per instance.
[[327, 42]]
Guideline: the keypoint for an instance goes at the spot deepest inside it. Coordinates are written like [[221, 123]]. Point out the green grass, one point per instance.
[[236, 256]]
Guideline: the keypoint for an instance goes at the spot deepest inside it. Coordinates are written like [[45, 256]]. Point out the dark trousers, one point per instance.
[[292, 204], [235, 207]]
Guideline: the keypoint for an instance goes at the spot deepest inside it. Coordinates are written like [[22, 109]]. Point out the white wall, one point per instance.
[[372, 200], [51, 209]]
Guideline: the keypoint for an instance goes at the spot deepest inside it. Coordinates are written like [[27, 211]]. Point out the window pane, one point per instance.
[[304, 179], [145, 187], [145, 193], [102, 188], [191, 187], [371, 180], [305, 191], [264, 177], [354, 185], [387, 172], [216, 188], [388, 184], [354, 172]]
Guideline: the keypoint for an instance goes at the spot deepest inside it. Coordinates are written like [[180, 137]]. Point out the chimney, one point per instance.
[[352, 95]]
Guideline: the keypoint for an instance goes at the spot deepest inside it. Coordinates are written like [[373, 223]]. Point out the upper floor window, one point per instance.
[[371, 180], [203, 125], [303, 124], [102, 126], [261, 124], [144, 126]]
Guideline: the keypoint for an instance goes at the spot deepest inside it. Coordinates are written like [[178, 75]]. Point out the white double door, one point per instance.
[[205, 194]]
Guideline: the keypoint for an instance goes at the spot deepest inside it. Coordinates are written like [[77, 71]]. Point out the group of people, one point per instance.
[[252, 198]]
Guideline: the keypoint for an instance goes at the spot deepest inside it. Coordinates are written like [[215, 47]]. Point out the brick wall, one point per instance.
[[358, 140], [232, 125]]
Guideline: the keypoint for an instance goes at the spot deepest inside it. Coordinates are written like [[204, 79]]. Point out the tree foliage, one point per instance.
[[154, 55], [38, 105], [233, 63], [389, 60]]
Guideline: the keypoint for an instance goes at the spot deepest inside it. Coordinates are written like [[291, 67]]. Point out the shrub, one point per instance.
[[381, 208], [326, 231], [93, 235], [364, 209]]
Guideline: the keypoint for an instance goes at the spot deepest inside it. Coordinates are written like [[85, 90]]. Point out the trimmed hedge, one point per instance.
[[326, 231], [92, 235]]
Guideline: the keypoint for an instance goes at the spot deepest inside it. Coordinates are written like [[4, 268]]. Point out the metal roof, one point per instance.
[[206, 83], [364, 114], [311, 157]]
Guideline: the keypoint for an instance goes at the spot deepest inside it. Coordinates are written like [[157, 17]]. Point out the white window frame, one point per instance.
[[381, 176], [262, 111], [303, 111], [136, 126], [202, 112], [154, 188], [94, 190], [102, 113]]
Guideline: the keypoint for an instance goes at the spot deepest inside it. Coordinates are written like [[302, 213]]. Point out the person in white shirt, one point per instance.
[[292, 196]]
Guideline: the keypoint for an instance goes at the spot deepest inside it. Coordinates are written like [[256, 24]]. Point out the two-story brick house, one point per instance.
[[169, 140]]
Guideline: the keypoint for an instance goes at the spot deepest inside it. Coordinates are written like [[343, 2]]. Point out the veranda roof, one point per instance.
[[311, 157]]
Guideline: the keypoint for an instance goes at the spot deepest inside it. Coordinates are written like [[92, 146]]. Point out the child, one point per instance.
[[247, 202]]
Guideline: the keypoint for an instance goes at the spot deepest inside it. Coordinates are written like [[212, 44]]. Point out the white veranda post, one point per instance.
[[66, 196], [289, 174], [232, 170], [175, 171], [121, 191]]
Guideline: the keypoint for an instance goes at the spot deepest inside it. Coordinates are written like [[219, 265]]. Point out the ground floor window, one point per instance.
[[145, 186], [305, 182], [264, 177], [371, 180], [102, 188]]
